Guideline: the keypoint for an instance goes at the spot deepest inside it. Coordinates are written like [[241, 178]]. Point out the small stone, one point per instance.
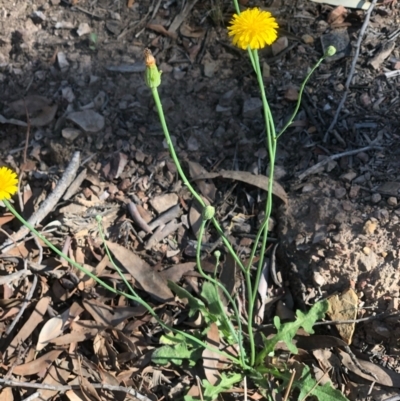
[[291, 94], [192, 143], [164, 202], [392, 201], [375, 198], [88, 120], [347, 206], [139, 156], [340, 193], [308, 188], [226, 99], [307, 39], [370, 226], [252, 107], [319, 279], [381, 214], [55, 2], [266, 70], [354, 191], [366, 250], [62, 61], [363, 157], [114, 26], [365, 100], [337, 15], [70, 134], [279, 45], [348, 177], [83, 29]]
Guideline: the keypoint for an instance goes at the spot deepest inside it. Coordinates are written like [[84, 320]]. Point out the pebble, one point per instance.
[[164, 202], [340, 193], [307, 39], [348, 177], [375, 198], [62, 61], [381, 214], [392, 201], [363, 157], [83, 29], [370, 226], [70, 134], [354, 191], [252, 107], [88, 120], [279, 45]]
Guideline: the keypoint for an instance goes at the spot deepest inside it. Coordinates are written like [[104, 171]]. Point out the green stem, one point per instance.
[[271, 145], [301, 96], [181, 173], [237, 336], [133, 297]]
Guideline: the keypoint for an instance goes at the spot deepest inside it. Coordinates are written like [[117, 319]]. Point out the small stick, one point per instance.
[[137, 218], [50, 203], [314, 169], [352, 69], [289, 386]]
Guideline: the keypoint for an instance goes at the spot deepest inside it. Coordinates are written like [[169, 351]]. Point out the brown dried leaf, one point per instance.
[[386, 377], [210, 358], [259, 181], [37, 365], [6, 394], [149, 279], [55, 377], [56, 325], [80, 331], [111, 316], [30, 325]]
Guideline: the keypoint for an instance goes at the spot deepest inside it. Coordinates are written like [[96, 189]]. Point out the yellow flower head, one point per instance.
[[253, 28], [8, 183]]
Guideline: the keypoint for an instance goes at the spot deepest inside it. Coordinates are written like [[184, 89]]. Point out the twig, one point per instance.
[[137, 218], [353, 66], [28, 130], [63, 389], [49, 204], [314, 169], [24, 306], [289, 386]]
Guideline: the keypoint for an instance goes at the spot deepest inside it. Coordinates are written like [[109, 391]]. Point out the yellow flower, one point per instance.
[[253, 28], [8, 183]]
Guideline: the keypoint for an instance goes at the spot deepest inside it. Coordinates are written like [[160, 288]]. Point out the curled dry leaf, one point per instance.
[[56, 325], [259, 181]]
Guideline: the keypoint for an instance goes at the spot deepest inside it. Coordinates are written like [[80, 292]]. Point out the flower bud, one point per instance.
[[152, 74], [330, 51], [208, 213]]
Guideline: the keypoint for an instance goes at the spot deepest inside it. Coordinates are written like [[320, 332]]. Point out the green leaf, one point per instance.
[[195, 304], [217, 311], [286, 332], [176, 354], [210, 392]]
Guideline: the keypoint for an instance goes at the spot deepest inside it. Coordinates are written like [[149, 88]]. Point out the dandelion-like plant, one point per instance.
[[253, 28], [8, 183]]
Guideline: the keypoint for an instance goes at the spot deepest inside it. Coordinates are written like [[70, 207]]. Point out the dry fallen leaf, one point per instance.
[[259, 181], [149, 279], [210, 358], [37, 365]]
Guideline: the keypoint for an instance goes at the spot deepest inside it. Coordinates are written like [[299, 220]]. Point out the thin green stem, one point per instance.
[[300, 96], [181, 173], [237, 335], [135, 297], [271, 145]]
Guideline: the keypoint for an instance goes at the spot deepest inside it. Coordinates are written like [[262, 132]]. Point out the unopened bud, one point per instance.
[[152, 74], [208, 212], [330, 51]]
